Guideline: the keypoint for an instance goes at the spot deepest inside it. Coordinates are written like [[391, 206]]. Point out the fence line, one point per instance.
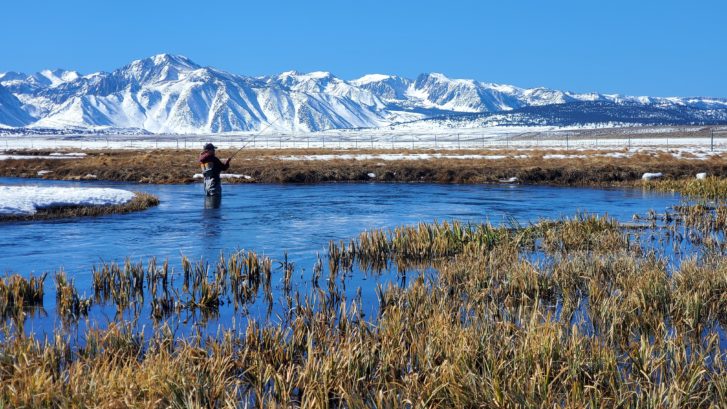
[[469, 141]]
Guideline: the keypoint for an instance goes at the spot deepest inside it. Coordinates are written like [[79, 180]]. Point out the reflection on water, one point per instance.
[[212, 202]]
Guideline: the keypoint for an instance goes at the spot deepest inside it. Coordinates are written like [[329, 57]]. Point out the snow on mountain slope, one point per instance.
[[387, 87], [172, 94], [11, 110]]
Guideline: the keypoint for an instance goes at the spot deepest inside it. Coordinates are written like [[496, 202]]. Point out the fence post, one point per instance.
[[458, 144], [566, 143], [711, 140]]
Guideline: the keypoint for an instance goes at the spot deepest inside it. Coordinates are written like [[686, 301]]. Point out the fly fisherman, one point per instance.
[[212, 166]]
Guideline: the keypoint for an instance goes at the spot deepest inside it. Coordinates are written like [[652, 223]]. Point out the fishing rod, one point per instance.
[[253, 138]]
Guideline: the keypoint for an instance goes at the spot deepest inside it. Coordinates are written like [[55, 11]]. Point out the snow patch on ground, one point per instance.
[[54, 155], [224, 176], [512, 179], [564, 156], [27, 200], [651, 176]]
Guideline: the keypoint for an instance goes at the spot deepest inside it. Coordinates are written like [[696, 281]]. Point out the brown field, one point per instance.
[[141, 201], [264, 166]]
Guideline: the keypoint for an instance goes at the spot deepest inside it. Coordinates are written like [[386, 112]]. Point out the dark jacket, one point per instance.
[[212, 166]]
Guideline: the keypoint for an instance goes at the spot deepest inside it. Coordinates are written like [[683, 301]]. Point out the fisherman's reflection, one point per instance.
[[212, 202], [211, 218]]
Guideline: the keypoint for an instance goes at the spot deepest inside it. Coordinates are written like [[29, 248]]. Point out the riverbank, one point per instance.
[[140, 201], [533, 166]]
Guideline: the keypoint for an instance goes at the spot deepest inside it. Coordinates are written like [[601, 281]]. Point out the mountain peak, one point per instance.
[[59, 76], [160, 67], [436, 75], [179, 62], [319, 74], [369, 78], [167, 59]]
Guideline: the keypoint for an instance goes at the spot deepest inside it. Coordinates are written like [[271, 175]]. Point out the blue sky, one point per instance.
[[657, 48]]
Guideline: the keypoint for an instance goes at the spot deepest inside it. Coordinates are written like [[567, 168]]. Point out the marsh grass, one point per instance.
[[18, 294], [567, 313], [69, 304], [140, 201], [711, 188]]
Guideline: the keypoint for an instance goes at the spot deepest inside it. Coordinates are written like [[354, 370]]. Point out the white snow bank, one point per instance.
[[26, 200], [224, 176], [702, 175], [54, 155], [651, 176], [556, 156]]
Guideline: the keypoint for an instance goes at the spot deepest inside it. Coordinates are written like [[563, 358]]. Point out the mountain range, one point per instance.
[[172, 94]]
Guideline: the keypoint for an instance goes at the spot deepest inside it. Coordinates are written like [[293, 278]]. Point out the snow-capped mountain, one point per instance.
[[585, 114], [172, 94]]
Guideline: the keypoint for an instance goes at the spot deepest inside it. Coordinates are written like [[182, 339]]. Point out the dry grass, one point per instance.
[[178, 166], [711, 188], [18, 294], [593, 321], [140, 201]]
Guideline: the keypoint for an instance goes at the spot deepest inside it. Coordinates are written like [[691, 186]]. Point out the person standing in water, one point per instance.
[[212, 166]]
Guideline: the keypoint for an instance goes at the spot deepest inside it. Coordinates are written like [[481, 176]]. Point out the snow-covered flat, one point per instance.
[[393, 138], [395, 157], [52, 156], [27, 200]]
